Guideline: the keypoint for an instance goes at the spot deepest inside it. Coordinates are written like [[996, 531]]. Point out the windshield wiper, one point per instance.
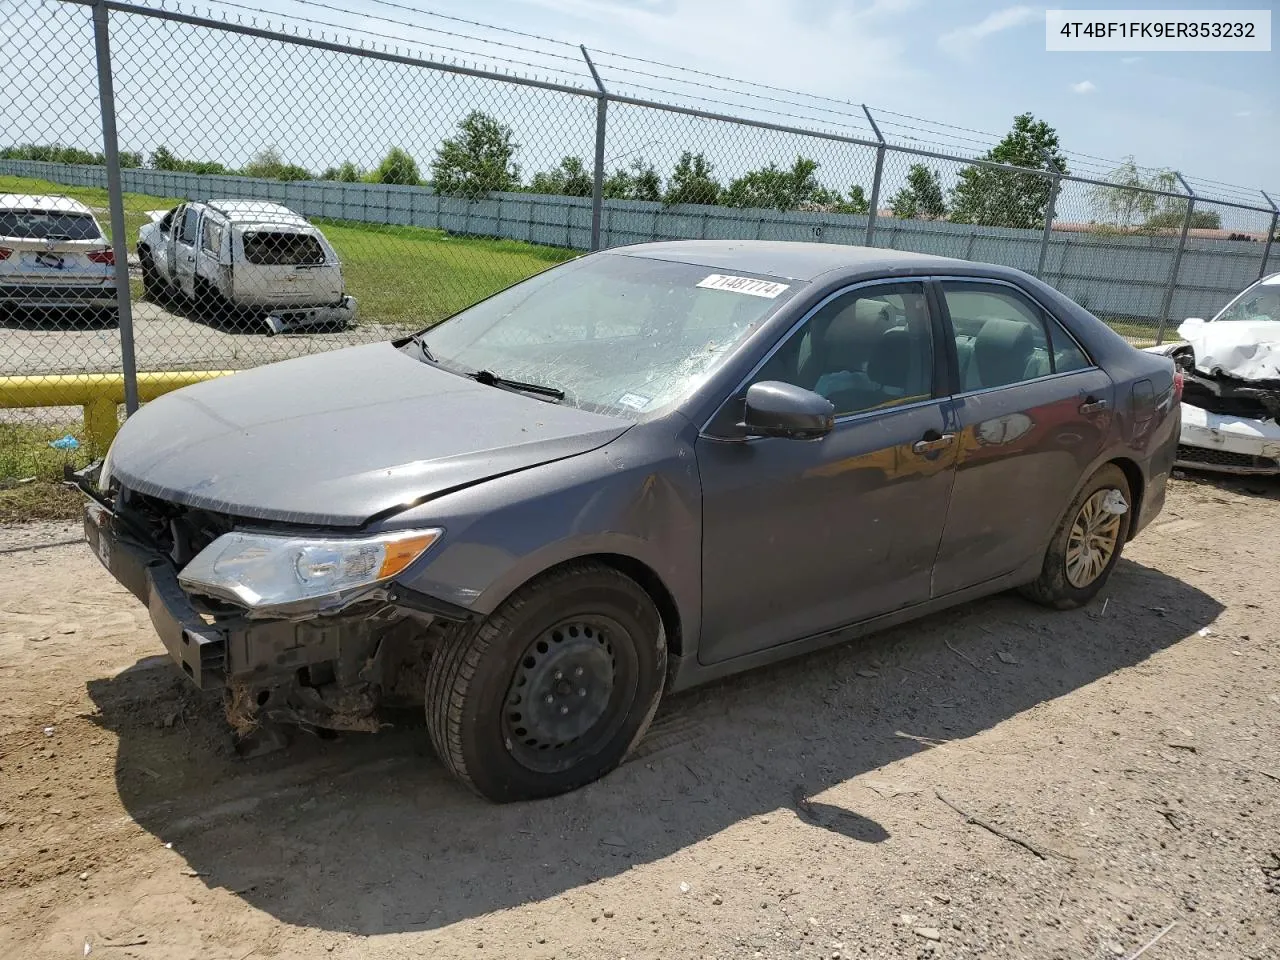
[[421, 344], [491, 379]]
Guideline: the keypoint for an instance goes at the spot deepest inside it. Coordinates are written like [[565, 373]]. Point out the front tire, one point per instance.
[[1087, 543], [152, 286], [552, 690]]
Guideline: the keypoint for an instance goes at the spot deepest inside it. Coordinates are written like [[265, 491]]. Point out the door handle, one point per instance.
[[1093, 405], [930, 444], [191, 259]]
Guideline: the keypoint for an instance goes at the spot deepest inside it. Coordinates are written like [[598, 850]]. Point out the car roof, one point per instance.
[[792, 260], [35, 201], [255, 211]]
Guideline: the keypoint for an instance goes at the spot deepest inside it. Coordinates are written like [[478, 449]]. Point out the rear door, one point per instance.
[[1033, 411], [53, 248]]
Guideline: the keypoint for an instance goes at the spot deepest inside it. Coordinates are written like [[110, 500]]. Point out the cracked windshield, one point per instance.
[[618, 334]]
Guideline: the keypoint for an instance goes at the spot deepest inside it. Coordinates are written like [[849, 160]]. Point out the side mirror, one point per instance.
[[776, 409]]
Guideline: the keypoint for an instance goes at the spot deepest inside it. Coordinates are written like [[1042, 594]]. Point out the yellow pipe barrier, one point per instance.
[[97, 393]]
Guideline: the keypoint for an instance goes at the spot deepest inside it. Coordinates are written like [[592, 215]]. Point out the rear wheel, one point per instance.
[[1087, 543], [553, 689], [210, 304]]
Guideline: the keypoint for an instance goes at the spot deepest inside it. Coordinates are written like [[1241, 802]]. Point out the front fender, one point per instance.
[[618, 500]]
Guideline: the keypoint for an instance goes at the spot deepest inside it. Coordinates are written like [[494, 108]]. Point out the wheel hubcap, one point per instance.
[[560, 692], [1093, 539]]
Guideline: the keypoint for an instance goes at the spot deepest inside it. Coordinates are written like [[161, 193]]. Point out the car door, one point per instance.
[[802, 536], [186, 236], [166, 257], [1033, 412]]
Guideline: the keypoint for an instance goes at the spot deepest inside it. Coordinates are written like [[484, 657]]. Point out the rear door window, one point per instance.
[[48, 225], [282, 249]]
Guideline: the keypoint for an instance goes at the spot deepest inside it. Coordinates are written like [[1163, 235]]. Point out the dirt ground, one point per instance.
[[1132, 747]]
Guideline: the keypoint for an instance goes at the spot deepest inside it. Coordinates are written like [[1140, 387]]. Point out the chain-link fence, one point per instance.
[[185, 195]]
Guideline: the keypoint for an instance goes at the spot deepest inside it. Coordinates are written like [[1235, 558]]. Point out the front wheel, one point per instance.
[[553, 689], [1087, 543]]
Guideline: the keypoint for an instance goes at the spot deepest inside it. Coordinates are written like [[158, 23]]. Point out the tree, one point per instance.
[[396, 167], [1001, 198], [856, 202], [691, 181], [267, 164], [570, 179], [639, 182], [162, 158], [772, 187], [1172, 219], [921, 197], [1127, 205], [478, 161], [348, 172]]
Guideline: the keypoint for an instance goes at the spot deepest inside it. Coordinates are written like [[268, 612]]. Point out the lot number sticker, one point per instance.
[[755, 288]]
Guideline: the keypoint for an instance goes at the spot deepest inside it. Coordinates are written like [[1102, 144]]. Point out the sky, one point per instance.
[[965, 66]]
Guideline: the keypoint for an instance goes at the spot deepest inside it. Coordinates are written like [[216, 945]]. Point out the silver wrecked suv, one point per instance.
[[247, 262], [54, 257]]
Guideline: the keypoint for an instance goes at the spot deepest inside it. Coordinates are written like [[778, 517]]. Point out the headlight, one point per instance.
[[267, 570]]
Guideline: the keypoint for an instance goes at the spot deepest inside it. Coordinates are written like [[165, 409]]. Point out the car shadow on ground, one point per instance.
[[1267, 487], [68, 319], [367, 834]]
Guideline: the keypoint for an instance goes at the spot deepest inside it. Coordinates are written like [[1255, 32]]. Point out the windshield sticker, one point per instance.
[[755, 288], [634, 401]]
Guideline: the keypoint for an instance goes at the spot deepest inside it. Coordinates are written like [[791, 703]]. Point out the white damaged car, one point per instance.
[[239, 259], [1231, 384]]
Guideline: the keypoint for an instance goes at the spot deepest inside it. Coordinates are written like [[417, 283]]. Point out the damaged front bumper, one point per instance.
[[332, 671], [341, 314], [1228, 444]]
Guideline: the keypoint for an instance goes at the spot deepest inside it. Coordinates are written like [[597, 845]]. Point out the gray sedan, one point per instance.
[[634, 472]]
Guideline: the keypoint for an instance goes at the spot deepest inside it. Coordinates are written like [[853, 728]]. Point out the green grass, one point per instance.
[[414, 276], [30, 471]]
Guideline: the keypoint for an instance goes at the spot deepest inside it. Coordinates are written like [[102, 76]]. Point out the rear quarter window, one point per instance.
[[48, 225], [271, 248]]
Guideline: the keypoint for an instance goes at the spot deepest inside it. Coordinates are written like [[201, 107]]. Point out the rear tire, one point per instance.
[[210, 305], [1076, 567], [552, 690]]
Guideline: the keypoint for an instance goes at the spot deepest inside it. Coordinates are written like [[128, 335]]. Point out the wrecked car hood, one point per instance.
[[1235, 348], [339, 437]]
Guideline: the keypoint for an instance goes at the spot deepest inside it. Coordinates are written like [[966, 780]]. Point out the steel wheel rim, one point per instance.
[[564, 701], [1091, 545]]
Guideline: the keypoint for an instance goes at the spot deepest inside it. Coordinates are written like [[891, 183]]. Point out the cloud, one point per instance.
[[1130, 59], [964, 41], [1244, 113], [1084, 86]]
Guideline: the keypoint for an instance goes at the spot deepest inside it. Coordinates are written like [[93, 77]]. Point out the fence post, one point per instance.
[[597, 186], [119, 241], [1050, 210], [1177, 258], [875, 181], [1271, 234]]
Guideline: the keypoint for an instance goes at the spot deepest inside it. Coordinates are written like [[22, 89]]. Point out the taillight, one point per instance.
[[1177, 386], [102, 256], [5, 253]]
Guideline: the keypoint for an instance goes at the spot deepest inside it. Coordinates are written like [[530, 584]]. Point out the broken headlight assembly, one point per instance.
[[260, 570]]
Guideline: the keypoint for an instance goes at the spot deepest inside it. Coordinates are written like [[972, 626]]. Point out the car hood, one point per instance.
[[1243, 349], [338, 438]]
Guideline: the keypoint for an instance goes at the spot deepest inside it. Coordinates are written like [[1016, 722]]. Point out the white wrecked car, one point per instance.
[[245, 259], [1231, 384]]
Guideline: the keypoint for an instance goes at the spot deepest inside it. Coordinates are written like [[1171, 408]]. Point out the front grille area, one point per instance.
[[1225, 458], [178, 532]]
